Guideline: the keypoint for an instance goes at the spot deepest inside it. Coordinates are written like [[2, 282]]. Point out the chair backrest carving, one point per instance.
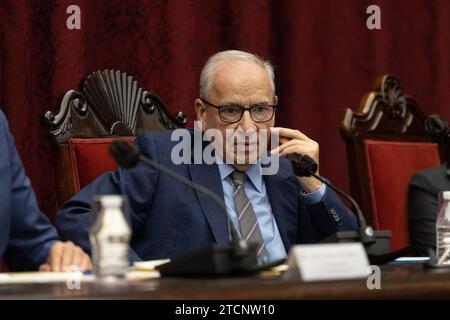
[[110, 104], [386, 143]]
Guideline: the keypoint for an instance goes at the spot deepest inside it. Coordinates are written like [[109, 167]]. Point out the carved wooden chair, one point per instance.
[[386, 144], [109, 105]]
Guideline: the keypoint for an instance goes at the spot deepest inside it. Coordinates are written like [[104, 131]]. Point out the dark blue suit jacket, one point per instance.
[[424, 188], [26, 235], [169, 218]]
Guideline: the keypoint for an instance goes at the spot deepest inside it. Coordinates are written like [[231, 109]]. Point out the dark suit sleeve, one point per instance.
[[423, 201], [330, 215], [31, 233], [74, 218], [321, 219]]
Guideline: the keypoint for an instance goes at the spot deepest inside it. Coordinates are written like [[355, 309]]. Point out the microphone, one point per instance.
[[376, 243], [437, 128], [236, 257]]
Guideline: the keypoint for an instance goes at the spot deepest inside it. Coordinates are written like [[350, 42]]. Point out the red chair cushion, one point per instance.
[[90, 158], [391, 165]]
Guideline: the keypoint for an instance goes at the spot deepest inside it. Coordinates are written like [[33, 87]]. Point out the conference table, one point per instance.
[[398, 281]]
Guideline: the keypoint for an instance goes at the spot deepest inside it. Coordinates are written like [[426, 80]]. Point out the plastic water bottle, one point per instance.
[[110, 236], [443, 229]]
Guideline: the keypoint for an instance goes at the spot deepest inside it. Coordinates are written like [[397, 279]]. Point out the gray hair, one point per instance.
[[231, 55]]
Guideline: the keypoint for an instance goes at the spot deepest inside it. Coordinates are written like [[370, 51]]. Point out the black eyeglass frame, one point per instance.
[[273, 106]]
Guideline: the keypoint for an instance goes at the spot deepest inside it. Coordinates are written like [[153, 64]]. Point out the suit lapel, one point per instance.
[[209, 177]]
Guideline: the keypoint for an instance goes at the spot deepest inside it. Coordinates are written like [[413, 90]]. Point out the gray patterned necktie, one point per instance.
[[247, 218]]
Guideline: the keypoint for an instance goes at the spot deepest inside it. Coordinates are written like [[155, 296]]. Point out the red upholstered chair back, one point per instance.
[[386, 144], [90, 158], [390, 167], [109, 105]]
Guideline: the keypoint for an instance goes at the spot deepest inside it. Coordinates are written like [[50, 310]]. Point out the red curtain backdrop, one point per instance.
[[325, 59]]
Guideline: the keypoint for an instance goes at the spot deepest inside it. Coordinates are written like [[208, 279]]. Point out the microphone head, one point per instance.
[[125, 154], [303, 165], [437, 128]]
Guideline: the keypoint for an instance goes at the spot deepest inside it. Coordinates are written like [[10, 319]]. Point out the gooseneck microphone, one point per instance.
[[214, 260], [376, 242], [128, 156], [437, 129], [305, 166]]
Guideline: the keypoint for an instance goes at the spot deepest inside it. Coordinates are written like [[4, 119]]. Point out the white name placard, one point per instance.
[[336, 261]]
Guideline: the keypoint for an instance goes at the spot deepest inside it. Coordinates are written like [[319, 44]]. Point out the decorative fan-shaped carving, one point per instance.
[[384, 111], [386, 115], [392, 94], [115, 97], [110, 103]]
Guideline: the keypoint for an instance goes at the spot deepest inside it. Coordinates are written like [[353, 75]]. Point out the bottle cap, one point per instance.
[[110, 200], [446, 195]]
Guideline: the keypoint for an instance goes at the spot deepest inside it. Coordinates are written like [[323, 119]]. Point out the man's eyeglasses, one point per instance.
[[234, 113]]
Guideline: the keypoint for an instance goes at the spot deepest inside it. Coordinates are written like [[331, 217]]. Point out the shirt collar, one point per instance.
[[253, 173]]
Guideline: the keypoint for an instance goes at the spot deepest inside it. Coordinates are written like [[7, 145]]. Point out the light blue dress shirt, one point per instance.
[[255, 189]]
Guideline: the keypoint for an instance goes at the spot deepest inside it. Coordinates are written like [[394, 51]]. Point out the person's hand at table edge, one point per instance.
[[66, 256]]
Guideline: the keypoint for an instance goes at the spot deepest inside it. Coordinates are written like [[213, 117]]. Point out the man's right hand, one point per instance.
[[65, 256]]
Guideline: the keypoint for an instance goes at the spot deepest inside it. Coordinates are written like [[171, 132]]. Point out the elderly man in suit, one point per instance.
[[28, 241], [275, 211]]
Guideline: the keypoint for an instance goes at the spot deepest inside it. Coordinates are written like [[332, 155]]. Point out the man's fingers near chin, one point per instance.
[[290, 133]]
